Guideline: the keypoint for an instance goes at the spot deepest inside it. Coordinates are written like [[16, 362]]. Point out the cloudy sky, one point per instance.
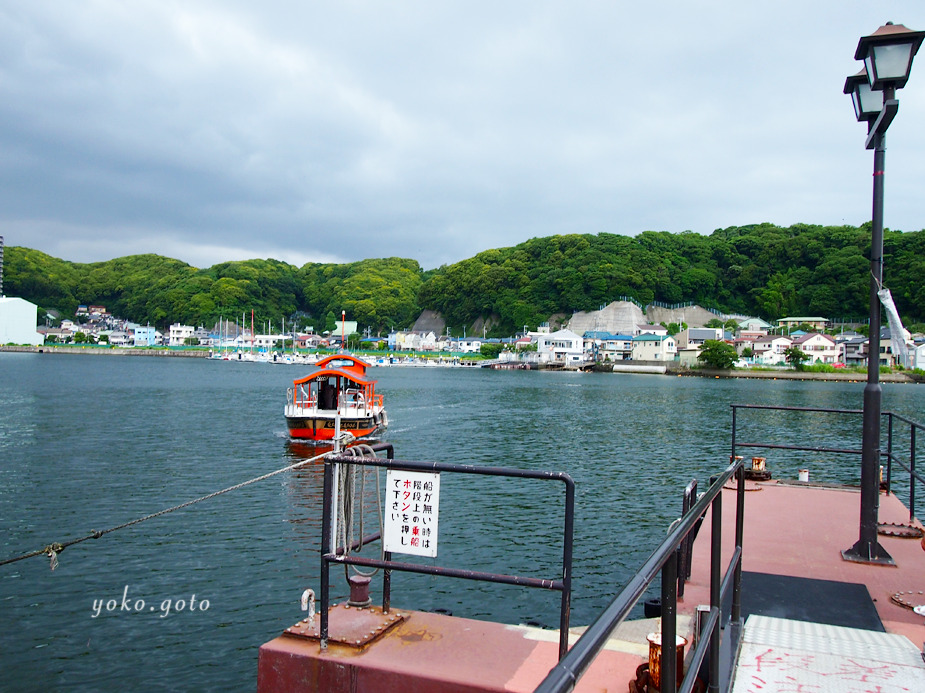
[[335, 131]]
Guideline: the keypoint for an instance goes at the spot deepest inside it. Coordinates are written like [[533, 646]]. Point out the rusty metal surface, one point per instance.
[[348, 625]]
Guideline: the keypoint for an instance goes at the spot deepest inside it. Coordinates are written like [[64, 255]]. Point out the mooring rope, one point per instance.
[[52, 550], [347, 500]]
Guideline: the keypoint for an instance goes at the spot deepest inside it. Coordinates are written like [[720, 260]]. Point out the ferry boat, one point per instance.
[[337, 396]]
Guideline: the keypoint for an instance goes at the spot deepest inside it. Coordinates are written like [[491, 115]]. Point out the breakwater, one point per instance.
[[108, 351]]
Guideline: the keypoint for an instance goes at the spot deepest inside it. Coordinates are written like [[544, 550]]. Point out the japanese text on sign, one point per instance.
[[411, 512]]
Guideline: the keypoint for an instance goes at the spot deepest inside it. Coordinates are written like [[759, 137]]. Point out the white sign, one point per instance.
[[411, 512]]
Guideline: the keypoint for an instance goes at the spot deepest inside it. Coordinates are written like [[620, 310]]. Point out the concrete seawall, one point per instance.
[[794, 375], [107, 351]]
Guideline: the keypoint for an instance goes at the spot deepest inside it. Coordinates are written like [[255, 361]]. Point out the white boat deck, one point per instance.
[[780, 655]]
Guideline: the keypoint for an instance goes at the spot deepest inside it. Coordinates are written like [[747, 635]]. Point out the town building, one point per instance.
[[143, 336], [770, 350], [18, 318], [758, 325], [694, 337], [820, 347], [562, 346], [788, 324], [179, 334], [654, 347]]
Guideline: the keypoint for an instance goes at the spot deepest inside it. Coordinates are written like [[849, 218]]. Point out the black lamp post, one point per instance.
[[887, 56]]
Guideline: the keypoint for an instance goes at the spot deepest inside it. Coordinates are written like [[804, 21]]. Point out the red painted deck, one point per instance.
[[795, 530], [434, 653], [800, 530]]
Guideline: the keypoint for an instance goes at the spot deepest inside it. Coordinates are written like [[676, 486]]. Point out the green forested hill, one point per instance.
[[760, 270]]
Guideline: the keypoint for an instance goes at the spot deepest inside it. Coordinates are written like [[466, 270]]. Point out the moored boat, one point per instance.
[[337, 395]]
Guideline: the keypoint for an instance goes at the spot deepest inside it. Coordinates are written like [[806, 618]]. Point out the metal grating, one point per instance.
[[784, 655]]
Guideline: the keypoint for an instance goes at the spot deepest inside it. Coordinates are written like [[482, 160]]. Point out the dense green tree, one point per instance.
[[716, 353], [796, 357]]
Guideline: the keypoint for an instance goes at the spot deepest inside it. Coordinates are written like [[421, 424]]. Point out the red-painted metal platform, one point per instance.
[[791, 530]]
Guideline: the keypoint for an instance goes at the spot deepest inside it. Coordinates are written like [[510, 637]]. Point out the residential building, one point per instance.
[[651, 329], [755, 325], [608, 347], [654, 347], [769, 350], [414, 341], [852, 351], [144, 336], [696, 336], [562, 346], [820, 347], [180, 333], [120, 338], [467, 345], [816, 323], [745, 341]]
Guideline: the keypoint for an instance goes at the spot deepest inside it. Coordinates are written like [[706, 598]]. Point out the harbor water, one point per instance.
[[184, 600]]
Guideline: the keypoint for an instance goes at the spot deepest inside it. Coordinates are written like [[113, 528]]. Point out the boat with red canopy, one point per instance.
[[338, 393]]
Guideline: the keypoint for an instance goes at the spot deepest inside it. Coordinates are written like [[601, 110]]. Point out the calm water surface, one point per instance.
[[90, 442]]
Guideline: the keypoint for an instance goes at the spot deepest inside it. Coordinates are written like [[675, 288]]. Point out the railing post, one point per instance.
[[668, 666], [740, 531], [889, 453], [326, 506], [565, 609], [715, 589], [912, 478]]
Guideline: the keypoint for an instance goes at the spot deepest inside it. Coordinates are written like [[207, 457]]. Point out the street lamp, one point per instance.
[[887, 56]]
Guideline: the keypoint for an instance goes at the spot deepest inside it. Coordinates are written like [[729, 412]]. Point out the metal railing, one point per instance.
[[892, 457], [664, 561], [330, 554], [891, 453]]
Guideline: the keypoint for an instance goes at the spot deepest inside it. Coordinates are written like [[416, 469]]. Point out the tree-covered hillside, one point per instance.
[[761, 270]]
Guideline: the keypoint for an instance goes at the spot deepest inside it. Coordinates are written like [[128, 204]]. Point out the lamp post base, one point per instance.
[[868, 552]]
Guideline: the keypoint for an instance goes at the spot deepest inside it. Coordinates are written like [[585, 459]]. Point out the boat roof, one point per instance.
[[351, 375], [354, 362]]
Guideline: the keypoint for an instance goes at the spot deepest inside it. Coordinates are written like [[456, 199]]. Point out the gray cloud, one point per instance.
[[211, 131]]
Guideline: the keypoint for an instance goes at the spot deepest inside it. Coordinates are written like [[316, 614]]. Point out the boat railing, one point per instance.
[[666, 561], [899, 450], [339, 554], [301, 399]]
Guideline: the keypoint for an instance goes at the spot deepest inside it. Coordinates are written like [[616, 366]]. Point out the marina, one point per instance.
[[632, 442]]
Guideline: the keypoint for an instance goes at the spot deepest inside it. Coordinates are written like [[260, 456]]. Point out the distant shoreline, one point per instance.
[[696, 373]]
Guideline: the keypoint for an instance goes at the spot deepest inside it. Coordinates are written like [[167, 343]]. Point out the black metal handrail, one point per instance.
[[664, 561], [892, 457], [331, 554], [890, 454]]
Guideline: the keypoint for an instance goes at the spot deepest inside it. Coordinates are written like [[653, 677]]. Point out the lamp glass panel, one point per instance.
[[889, 61], [870, 101], [855, 99]]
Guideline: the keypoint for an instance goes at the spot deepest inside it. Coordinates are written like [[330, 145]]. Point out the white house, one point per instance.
[[651, 329], [563, 346], [820, 347], [180, 333], [654, 347], [467, 345], [17, 322], [769, 350]]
